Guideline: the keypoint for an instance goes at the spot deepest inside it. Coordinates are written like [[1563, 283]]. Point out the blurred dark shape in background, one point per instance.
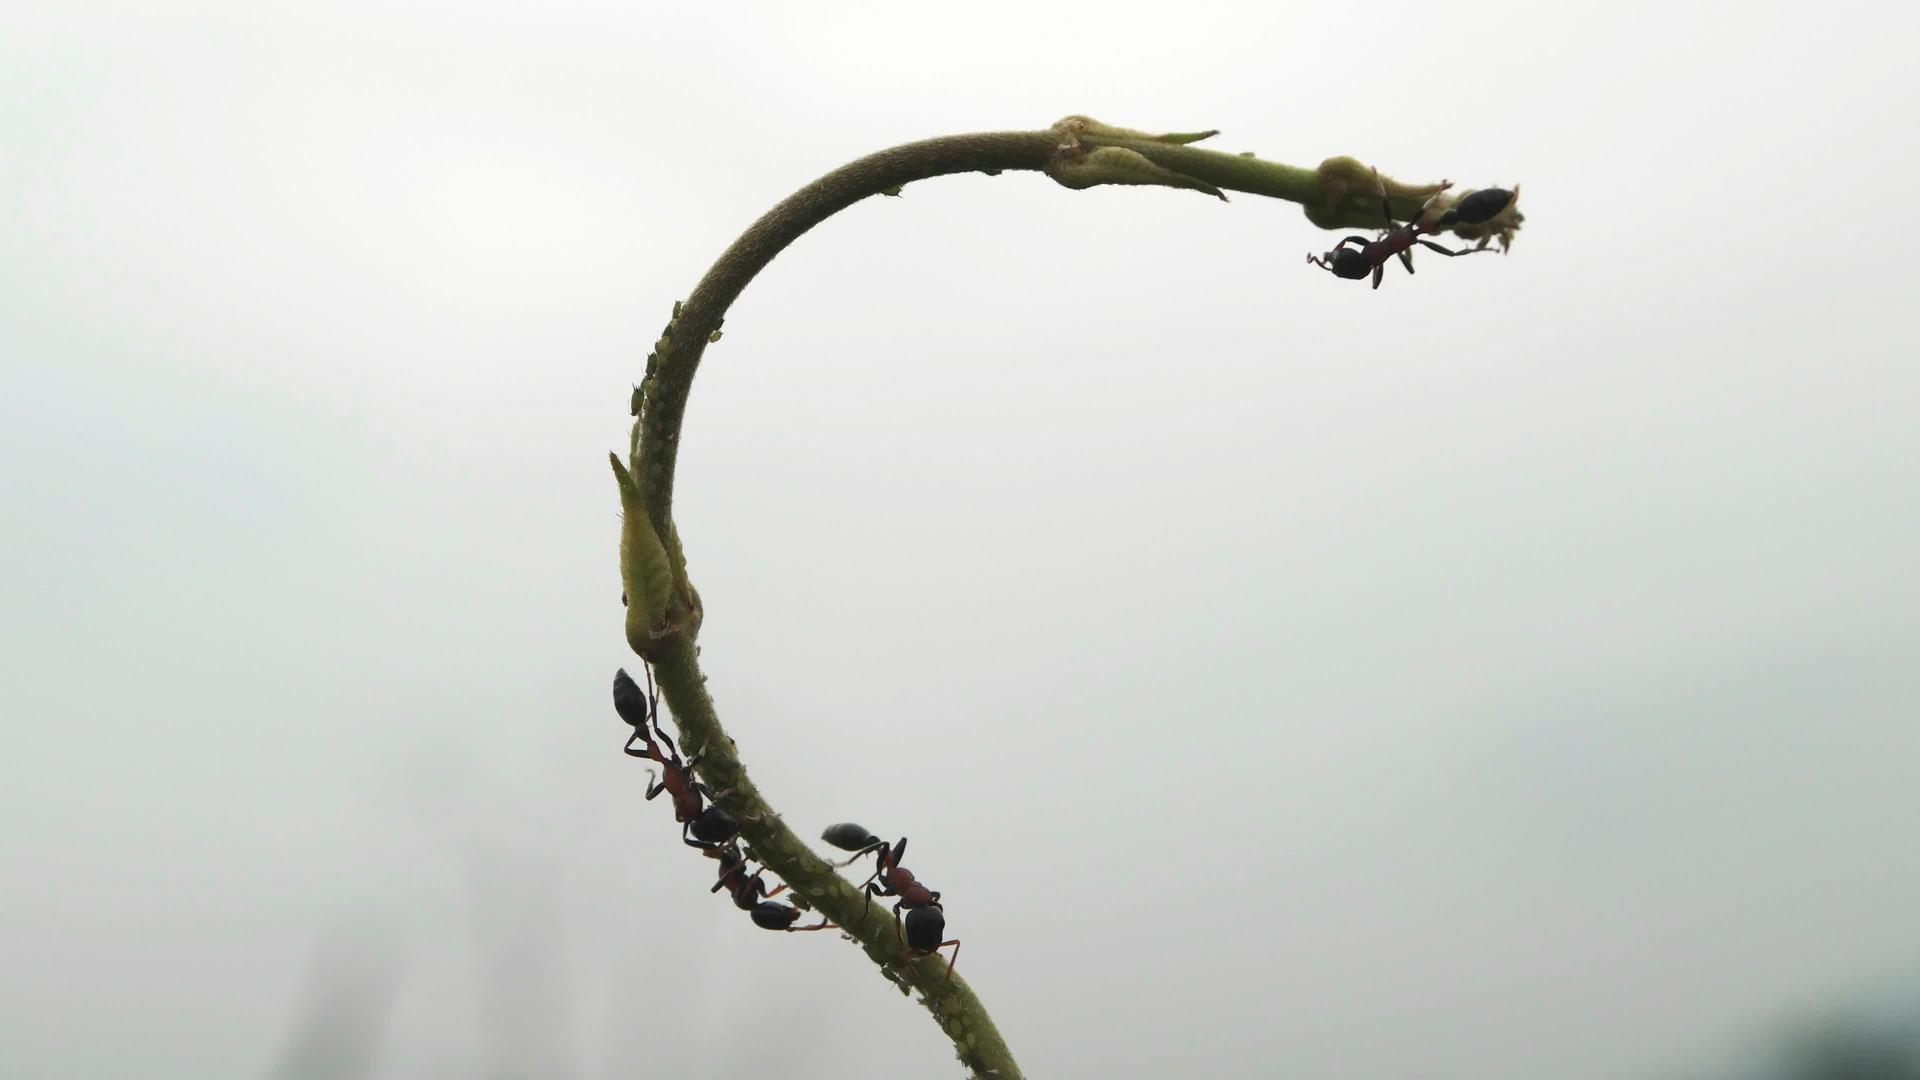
[[1854, 1052], [340, 1021], [1869, 1035]]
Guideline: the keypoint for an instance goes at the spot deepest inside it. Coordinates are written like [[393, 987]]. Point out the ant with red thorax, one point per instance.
[[925, 920], [750, 894], [702, 826], [745, 888], [1370, 256]]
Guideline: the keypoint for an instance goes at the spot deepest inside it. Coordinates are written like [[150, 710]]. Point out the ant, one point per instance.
[[750, 894], [746, 889], [1371, 256], [706, 827], [925, 920]]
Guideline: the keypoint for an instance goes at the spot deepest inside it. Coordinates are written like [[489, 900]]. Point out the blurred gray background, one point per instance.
[[1508, 674]]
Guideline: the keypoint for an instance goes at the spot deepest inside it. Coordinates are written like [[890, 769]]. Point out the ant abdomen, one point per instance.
[[849, 837], [628, 700], [1479, 207]]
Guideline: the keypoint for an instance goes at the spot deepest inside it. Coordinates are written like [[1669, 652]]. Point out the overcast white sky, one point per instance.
[[1507, 674]]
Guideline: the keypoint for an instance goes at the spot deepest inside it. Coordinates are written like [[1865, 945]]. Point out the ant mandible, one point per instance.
[[702, 826], [1371, 256]]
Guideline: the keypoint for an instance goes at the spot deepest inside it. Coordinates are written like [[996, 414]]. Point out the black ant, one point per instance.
[[746, 889], [1371, 256], [750, 894], [925, 920], [702, 826]]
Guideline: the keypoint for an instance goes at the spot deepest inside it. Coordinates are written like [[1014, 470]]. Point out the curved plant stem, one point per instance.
[[1078, 153], [953, 1004]]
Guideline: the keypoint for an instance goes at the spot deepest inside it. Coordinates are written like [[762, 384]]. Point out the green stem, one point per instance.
[[1339, 193], [676, 667], [670, 376]]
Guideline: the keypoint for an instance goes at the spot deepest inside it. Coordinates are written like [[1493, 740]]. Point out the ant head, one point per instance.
[[770, 915], [925, 926], [1343, 262], [714, 826], [1348, 263]]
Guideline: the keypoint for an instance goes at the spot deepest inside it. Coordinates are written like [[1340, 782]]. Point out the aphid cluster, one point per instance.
[[1369, 257], [702, 826], [925, 922]]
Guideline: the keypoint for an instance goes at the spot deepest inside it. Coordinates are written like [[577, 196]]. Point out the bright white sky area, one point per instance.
[[1511, 673]]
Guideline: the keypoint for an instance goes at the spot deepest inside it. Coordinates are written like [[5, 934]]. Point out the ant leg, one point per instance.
[[1345, 240], [878, 889], [654, 787], [856, 857], [951, 960], [1379, 271], [647, 752], [1449, 252], [661, 737], [803, 929], [1406, 260], [1386, 206], [777, 890]]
